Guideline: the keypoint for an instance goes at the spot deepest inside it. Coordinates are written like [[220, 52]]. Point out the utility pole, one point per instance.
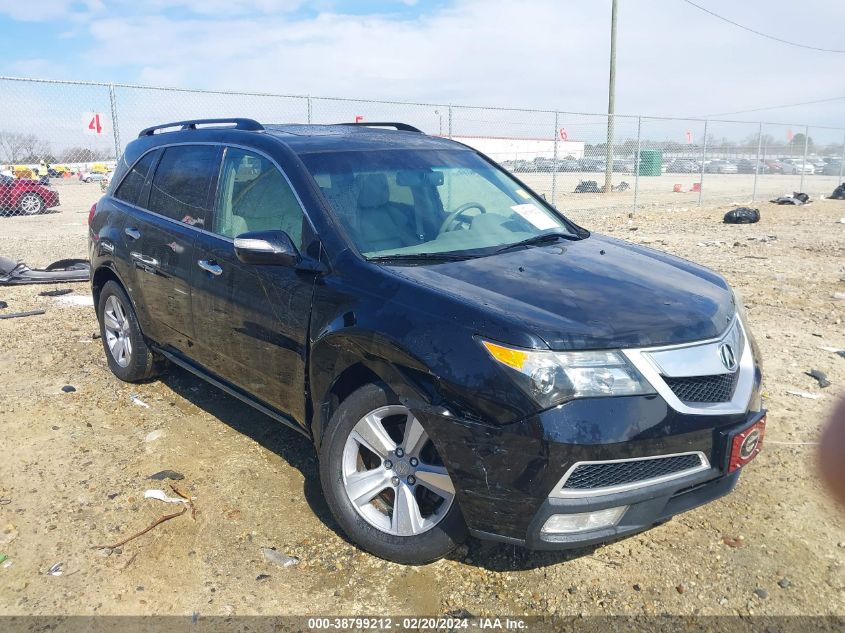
[[611, 102]]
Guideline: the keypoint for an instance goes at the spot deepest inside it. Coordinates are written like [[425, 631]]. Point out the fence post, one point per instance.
[[703, 158], [554, 163], [308, 108], [842, 162], [450, 120], [804, 161], [637, 163], [757, 162], [115, 130]]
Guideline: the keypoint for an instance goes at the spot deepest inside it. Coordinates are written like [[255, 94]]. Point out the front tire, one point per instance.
[[128, 355], [385, 483], [30, 204]]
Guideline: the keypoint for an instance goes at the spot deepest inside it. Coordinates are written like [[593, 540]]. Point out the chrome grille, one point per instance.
[[715, 388], [609, 474]]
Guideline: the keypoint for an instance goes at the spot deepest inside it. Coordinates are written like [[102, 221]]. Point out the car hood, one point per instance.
[[595, 293]]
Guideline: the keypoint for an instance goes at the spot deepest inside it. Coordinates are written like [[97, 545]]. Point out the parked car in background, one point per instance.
[[58, 171], [748, 166], [833, 168], [818, 164], [545, 165], [775, 166], [569, 164], [797, 166], [25, 196], [623, 165], [683, 166], [93, 176], [721, 167], [592, 164]]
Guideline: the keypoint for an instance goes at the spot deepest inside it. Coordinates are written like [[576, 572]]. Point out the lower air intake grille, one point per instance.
[[717, 388], [605, 475]]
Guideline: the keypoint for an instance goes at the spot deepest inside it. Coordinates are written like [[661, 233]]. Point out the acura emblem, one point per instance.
[[726, 353]]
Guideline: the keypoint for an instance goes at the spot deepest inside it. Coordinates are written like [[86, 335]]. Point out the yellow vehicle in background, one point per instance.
[[99, 168], [22, 171]]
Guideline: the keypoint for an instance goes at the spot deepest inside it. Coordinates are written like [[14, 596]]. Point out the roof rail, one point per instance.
[[404, 127], [240, 124]]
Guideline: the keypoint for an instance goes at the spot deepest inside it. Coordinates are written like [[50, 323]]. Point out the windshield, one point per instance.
[[412, 203]]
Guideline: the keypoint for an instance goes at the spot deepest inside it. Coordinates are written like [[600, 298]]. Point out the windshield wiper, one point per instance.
[[536, 240], [425, 257]]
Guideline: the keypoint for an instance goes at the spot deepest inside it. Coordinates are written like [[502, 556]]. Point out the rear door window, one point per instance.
[[130, 189], [181, 188]]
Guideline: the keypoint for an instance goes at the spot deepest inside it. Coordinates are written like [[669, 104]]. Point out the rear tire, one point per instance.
[[128, 355], [30, 204], [405, 512]]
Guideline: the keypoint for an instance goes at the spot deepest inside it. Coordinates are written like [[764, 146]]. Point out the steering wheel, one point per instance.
[[452, 220]]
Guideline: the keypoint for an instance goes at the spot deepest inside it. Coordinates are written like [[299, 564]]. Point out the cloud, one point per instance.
[[548, 54]]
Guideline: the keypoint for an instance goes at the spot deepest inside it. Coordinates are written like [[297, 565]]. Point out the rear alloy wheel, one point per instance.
[[30, 204], [385, 481], [127, 352]]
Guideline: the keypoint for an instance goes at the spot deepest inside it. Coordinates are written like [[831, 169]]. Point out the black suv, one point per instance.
[[465, 359]]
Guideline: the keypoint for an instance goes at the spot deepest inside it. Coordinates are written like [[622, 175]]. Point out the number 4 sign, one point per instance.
[[94, 123]]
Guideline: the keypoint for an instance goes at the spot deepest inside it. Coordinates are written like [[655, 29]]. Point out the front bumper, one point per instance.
[[506, 477]]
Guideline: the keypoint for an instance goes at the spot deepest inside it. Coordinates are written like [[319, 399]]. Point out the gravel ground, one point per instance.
[[75, 465]]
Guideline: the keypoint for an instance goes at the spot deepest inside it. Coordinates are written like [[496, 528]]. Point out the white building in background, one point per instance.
[[503, 148]]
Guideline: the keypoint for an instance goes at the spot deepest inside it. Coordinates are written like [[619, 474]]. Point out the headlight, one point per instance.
[[554, 377]]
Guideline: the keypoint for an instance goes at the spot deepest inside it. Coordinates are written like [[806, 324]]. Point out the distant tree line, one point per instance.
[[18, 147]]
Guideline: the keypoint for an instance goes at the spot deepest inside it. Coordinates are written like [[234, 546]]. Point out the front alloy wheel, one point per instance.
[[385, 481], [397, 486]]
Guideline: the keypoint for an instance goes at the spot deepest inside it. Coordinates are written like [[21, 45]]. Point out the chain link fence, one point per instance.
[[59, 142]]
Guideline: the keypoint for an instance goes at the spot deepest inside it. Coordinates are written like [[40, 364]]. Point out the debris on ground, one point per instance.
[[797, 198], [4, 501], [56, 570], [803, 394], [735, 542], [136, 400], [3, 557], [277, 558], [16, 315], [167, 474], [68, 388], [820, 376], [14, 273], [152, 436], [784, 583], [838, 193], [622, 186], [161, 495], [9, 534], [85, 301], [587, 186], [187, 504], [58, 292], [834, 350], [742, 215], [3, 305]]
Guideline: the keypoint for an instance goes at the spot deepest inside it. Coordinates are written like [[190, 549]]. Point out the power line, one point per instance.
[[761, 34], [777, 107]]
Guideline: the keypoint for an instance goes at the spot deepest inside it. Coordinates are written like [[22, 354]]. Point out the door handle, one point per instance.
[[135, 234], [146, 260], [210, 267]]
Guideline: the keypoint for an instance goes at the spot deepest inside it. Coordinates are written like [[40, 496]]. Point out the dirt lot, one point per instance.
[[74, 466]]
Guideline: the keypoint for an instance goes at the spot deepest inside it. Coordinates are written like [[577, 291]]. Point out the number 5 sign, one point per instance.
[[94, 122]]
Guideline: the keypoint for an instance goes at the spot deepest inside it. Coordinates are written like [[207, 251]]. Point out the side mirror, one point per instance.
[[266, 248]]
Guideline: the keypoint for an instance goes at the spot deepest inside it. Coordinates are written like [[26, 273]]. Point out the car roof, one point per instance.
[[305, 139]]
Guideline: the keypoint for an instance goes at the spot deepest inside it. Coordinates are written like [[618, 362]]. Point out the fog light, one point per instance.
[[583, 522]]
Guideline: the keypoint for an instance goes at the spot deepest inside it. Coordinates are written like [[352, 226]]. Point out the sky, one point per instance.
[[549, 54]]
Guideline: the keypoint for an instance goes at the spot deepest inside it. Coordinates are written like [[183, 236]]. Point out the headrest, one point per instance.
[[373, 191]]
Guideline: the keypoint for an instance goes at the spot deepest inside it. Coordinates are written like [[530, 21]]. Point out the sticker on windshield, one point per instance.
[[535, 216], [523, 194]]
